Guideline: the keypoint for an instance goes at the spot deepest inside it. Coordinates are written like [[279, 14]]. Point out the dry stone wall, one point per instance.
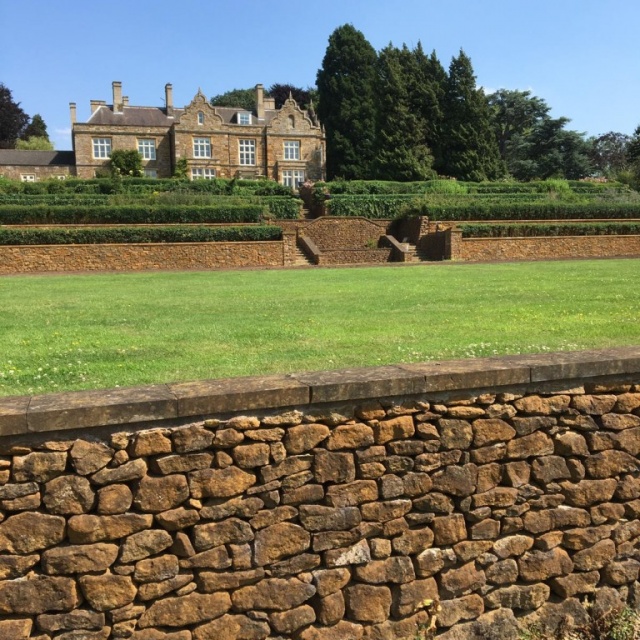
[[325, 506]]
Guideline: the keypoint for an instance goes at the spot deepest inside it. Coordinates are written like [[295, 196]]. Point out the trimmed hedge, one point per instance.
[[565, 229], [127, 214], [370, 206], [128, 235]]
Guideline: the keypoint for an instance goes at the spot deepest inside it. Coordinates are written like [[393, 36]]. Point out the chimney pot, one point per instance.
[[168, 98], [72, 112]]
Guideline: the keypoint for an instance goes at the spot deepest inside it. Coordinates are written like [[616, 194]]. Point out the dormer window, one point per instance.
[[244, 117], [200, 118]]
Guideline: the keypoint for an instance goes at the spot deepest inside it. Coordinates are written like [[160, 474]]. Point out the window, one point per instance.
[[247, 152], [27, 177], [199, 173], [202, 147], [292, 178], [101, 147], [200, 117], [151, 173], [244, 118], [147, 149], [61, 177], [292, 150]]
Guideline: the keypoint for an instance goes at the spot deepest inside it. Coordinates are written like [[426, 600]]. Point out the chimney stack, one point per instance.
[[72, 112], [95, 104], [117, 97], [125, 101], [168, 98], [260, 101]]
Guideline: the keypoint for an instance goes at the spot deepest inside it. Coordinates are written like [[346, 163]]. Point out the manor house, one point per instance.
[[285, 144]]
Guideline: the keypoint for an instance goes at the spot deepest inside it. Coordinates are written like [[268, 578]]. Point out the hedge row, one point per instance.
[[369, 206], [128, 235], [42, 214], [565, 229]]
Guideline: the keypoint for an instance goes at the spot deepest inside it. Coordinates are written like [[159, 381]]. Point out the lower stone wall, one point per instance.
[[41, 172], [354, 256], [137, 257], [325, 506], [543, 247]]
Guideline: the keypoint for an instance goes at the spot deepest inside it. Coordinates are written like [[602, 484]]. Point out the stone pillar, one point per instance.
[[452, 246], [288, 247], [260, 101]]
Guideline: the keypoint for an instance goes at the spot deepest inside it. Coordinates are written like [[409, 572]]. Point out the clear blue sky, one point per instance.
[[581, 56]]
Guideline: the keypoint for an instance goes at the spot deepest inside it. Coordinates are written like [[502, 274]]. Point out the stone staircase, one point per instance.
[[300, 259], [416, 254]]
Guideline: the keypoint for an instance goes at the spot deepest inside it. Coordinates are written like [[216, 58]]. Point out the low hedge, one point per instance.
[[127, 214], [565, 229], [129, 235], [369, 206]]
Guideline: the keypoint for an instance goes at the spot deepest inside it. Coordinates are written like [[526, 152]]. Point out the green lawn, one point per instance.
[[93, 331]]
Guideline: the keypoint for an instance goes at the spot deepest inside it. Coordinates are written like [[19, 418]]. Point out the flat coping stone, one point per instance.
[[13, 415]]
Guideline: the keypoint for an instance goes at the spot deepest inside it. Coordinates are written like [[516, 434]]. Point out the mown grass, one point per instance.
[[94, 331]]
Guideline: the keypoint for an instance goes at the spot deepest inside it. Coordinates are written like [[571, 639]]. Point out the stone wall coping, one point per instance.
[[21, 415]]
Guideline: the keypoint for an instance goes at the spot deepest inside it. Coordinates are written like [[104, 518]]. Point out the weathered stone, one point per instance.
[[629, 441], [155, 590], [471, 549], [455, 434], [186, 610], [273, 594], [269, 517], [181, 463], [191, 438], [250, 456], [536, 444], [620, 573], [517, 474], [144, 544], [627, 402], [397, 570], [537, 566], [178, 519], [154, 634], [607, 512], [575, 583], [280, 541], [610, 463], [595, 557], [524, 597], [89, 457], [16, 566], [302, 438], [366, 603], [594, 405], [342, 631], [39, 466], [232, 627], [541, 521], [16, 629], [219, 483], [457, 481], [329, 581], [503, 572], [465, 412], [394, 429], [296, 565], [114, 499], [620, 421], [149, 443], [454, 611], [512, 546], [84, 529], [434, 503], [291, 621], [79, 619], [458, 581], [243, 422], [431, 561], [243, 508], [216, 558], [352, 493], [156, 569], [334, 467], [227, 438], [28, 532], [448, 530], [489, 477], [34, 595], [106, 592], [498, 497], [350, 436], [413, 541], [330, 609], [18, 490], [491, 431], [543, 406], [320, 518], [79, 558], [547, 469], [526, 426], [588, 492], [161, 494], [385, 510], [416, 484], [571, 444], [230, 531], [210, 582]]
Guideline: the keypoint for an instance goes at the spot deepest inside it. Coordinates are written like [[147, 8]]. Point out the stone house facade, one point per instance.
[[286, 144], [33, 166]]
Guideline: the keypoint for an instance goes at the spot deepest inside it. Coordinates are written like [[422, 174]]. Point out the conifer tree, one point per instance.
[[402, 152], [36, 128], [469, 147], [347, 109]]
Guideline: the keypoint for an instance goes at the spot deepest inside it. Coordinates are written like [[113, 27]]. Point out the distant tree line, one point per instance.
[[17, 129]]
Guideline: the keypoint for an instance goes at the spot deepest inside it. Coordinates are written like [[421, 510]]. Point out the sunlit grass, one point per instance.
[[93, 331]]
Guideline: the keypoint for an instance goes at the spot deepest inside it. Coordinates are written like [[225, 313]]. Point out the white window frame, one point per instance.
[[150, 173], [200, 118], [202, 173], [27, 177], [243, 118], [292, 178], [101, 148], [247, 152], [147, 148], [292, 149], [63, 177], [202, 147]]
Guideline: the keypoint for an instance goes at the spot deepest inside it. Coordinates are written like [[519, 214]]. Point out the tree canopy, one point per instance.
[[35, 143], [13, 120], [36, 128], [238, 98]]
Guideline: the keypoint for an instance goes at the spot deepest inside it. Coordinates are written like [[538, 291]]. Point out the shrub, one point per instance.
[[126, 163], [118, 235], [563, 229], [369, 206]]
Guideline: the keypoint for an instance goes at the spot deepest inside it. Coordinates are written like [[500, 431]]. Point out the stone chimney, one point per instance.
[[168, 98], [260, 101], [72, 112], [117, 97], [125, 101], [95, 104]]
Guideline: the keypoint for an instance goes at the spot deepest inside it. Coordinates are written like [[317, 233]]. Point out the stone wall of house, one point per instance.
[[139, 257], [325, 506], [41, 172], [542, 248]]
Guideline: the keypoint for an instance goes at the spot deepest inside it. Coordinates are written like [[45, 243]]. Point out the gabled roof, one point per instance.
[[133, 116], [26, 158]]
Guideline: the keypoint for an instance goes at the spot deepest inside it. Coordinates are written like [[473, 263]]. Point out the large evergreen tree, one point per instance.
[[347, 109], [13, 119], [281, 92], [469, 148], [237, 98], [402, 152], [36, 128]]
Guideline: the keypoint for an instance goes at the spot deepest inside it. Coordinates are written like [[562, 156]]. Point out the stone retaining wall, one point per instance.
[[325, 506]]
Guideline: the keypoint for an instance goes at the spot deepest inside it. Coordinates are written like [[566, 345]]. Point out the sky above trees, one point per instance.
[[580, 56]]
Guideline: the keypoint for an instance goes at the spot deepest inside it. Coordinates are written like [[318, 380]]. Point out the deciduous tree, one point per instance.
[[36, 128], [13, 119], [239, 98]]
